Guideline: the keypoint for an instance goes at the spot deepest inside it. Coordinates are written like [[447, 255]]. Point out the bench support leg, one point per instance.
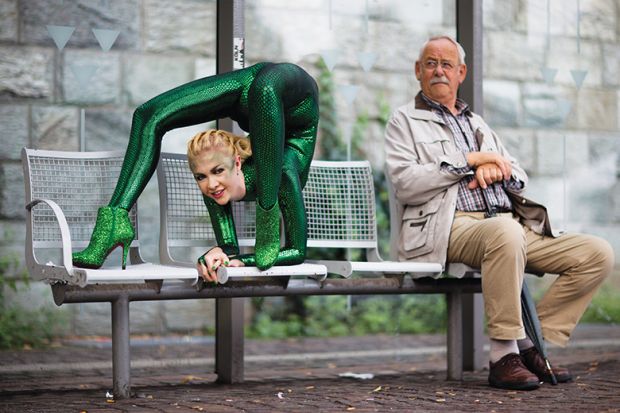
[[121, 368], [473, 319], [229, 339], [455, 336]]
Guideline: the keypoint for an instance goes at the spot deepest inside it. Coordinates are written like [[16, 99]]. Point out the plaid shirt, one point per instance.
[[471, 200]]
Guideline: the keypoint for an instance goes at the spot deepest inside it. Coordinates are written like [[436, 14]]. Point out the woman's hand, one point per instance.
[[209, 263]]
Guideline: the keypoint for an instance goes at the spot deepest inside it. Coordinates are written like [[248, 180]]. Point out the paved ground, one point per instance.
[[172, 375]]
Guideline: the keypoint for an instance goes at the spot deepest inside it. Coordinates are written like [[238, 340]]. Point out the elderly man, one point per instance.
[[460, 189]]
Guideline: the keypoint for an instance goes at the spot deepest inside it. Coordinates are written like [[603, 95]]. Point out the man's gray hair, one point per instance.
[[454, 42]]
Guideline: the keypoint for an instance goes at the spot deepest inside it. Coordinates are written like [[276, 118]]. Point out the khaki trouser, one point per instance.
[[502, 248]]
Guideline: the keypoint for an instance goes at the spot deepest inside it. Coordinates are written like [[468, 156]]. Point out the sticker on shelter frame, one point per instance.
[[238, 53]]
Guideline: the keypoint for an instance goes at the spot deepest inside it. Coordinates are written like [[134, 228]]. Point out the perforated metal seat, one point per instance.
[[63, 192]]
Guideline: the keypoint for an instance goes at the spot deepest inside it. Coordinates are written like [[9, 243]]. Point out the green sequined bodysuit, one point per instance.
[[278, 105]]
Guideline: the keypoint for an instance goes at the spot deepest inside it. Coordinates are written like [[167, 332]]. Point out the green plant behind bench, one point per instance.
[[21, 327], [329, 316]]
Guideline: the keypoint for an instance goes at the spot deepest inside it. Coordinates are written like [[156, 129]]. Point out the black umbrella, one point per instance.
[[532, 327]]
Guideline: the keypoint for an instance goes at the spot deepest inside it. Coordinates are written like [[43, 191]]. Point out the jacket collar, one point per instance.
[[420, 109]]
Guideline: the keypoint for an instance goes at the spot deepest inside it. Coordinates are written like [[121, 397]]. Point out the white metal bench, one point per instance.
[[340, 207], [64, 190]]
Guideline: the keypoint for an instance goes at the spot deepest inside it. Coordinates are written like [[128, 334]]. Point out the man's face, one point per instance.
[[439, 72]]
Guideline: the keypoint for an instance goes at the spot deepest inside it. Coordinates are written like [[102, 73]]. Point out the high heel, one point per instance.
[[112, 229], [267, 235]]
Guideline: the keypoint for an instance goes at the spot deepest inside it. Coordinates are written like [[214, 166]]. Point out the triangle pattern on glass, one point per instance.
[[548, 74], [578, 76], [367, 60], [60, 34], [349, 92], [83, 73], [106, 38], [330, 58]]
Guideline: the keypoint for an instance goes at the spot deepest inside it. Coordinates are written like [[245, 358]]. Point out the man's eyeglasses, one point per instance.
[[433, 64]]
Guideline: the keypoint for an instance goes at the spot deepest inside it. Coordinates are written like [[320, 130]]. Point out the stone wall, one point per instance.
[[44, 89], [566, 133]]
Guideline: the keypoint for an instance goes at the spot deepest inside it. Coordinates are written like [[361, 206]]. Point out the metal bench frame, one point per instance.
[[72, 222]]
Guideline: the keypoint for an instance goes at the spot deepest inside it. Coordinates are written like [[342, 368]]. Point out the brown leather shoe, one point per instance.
[[510, 373], [536, 364]]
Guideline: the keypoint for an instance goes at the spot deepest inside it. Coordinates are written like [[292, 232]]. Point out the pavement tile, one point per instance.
[[400, 383]]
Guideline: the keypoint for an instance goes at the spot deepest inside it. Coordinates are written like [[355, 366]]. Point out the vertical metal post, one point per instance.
[[229, 340], [455, 335], [229, 320], [230, 53], [469, 34], [121, 357]]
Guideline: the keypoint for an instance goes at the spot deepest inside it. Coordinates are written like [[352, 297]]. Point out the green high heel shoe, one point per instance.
[[267, 236], [112, 229]]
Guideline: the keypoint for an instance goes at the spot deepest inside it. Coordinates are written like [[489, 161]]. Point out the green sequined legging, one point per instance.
[[277, 104]]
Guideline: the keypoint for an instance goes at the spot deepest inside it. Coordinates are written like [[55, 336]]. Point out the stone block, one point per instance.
[[513, 56], [520, 143], [407, 12], [502, 103], [550, 192], [499, 14], [187, 26], [565, 56], [605, 146], [8, 20], [90, 319], [547, 106], [14, 121], [106, 129], [91, 77], [12, 241], [148, 76], [204, 67], [598, 19], [560, 152], [597, 109], [84, 15], [145, 318], [12, 197], [611, 64], [55, 128], [32, 296], [614, 195], [183, 316], [26, 72]]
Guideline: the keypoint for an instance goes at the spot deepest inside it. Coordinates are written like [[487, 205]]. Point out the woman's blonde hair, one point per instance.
[[216, 139]]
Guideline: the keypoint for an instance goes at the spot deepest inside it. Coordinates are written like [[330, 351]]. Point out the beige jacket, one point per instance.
[[417, 144]]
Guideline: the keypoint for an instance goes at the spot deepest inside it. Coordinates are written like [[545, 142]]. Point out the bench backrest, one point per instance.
[[339, 199], [79, 182]]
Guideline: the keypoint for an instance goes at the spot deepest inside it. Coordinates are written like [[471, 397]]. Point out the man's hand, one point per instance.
[[477, 159], [485, 175]]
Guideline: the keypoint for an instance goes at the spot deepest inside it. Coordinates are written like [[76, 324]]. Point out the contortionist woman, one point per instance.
[[278, 105]]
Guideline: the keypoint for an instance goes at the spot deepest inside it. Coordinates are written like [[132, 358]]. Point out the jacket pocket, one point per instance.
[[417, 234]]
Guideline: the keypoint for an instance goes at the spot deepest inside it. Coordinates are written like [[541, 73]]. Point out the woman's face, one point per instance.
[[219, 176]]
